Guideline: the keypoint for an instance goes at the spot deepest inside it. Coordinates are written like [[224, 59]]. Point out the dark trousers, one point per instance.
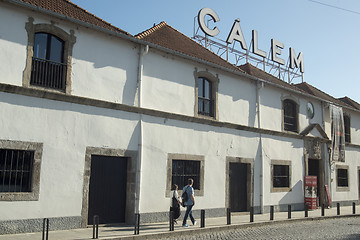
[[188, 213]]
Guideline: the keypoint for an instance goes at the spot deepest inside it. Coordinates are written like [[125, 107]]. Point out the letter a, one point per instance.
[[236, 34]]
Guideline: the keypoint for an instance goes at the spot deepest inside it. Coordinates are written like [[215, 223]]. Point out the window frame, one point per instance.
[[347, 128], [296, 117], [214, 80], [184, 157], [69, 41], [342, 188], [33, 195], [281, 163]]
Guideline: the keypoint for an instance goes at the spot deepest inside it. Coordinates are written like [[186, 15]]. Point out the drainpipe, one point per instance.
[[259, 86], [143, 50]]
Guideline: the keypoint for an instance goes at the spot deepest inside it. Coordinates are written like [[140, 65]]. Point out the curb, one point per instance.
[[188, 232]]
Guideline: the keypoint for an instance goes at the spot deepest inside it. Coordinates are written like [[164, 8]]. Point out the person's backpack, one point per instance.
[[185, 196]]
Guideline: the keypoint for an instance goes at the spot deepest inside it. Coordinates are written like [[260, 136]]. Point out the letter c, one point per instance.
[[201, 19]]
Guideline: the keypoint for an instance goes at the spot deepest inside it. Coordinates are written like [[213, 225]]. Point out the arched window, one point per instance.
[[290, 115], [205, 97], [48, 68]]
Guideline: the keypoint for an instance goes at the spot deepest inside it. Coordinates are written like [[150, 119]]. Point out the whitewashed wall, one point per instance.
[[66, 130]]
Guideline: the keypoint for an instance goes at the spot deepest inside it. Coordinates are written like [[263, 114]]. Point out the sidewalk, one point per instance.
[[155, 230]]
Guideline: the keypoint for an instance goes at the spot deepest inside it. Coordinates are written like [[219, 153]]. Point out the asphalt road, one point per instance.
[[340, 228]]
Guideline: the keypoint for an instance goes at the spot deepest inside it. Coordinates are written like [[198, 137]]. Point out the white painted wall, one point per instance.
[[65, 130]]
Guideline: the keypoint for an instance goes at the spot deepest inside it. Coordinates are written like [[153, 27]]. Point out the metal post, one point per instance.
[[137, 224], [338, 208], [45, 234], [251, 214], [354, 208], [289, 211], [306, 211], [202, 225], [228, 215], [95, 227], [271, 213], [171, 220], [323, 210]]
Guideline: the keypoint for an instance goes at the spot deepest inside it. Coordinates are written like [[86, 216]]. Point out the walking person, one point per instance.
[[175, 202], [188, 202]]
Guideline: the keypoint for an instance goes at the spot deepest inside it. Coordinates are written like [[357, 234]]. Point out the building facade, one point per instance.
[[95, 121]]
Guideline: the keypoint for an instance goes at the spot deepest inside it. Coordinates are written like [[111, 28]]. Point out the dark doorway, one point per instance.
[[238, 181], [107, 190], [314, 170]]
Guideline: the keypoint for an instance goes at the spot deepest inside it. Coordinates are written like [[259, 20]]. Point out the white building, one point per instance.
[[96, 121]]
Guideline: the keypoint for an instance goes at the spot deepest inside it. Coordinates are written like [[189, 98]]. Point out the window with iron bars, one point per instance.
[[182, 170], [342, 177], [16, 167], [281, 176], [48, 69]]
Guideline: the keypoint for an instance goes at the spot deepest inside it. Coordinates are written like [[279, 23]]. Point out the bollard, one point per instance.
[[202, 224], [338, 208], [289, 211], [95, 227], [251, 214], [171, 220], [45, 234], [137, 224], [323, 210], [228, 216], [271, 213], [354, 208], [306, 211]]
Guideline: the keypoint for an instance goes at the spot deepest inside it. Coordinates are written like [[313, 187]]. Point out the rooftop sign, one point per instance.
[[235, 34]]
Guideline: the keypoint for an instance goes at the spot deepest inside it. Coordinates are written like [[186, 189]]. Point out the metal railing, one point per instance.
[[48, 74]]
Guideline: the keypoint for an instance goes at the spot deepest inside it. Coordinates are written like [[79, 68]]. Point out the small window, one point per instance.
[[182, 170], [48, 68], [281, 176], [16, 167], [342, 177], [347, 129], [290, 115], [205, 97]]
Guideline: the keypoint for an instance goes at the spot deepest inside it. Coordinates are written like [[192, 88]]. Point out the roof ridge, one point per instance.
[[151, 30], [100, 19], [66, 9]]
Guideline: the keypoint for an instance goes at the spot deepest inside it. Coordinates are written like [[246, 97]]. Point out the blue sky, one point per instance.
[[329, 37]]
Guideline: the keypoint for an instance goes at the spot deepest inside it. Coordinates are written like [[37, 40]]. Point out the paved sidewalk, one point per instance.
[[155, 230]]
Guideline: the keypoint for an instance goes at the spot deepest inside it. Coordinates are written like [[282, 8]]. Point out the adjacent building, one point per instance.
[[97, 121]]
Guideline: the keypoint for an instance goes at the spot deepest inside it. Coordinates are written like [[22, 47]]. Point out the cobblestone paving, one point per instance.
[[342, 228]]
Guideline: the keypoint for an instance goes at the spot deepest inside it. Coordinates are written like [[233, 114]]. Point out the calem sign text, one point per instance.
[[237, 35]]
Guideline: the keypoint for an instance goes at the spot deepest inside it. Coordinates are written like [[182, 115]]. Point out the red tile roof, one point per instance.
[[350, 102], [256, 72], [168, 37], [69, 9], [320, 94]]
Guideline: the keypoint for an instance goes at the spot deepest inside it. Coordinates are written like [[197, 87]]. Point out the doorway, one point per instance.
[[107, 189], [314, 170], [239, 176]]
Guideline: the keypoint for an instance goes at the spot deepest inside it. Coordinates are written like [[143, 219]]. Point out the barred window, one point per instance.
[[281, 176], [342, 177], [182, 170], [48, 68], [16, 167]]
